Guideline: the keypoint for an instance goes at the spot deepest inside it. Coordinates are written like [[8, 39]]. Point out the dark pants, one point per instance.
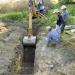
[[42, 11], [63, 27]]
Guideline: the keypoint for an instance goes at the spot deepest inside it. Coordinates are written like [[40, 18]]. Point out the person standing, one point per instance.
[[64, 15], [41, 8], [59, 22]]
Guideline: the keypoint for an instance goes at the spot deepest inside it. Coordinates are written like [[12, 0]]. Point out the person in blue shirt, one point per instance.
[[41, 8], [53, 36], [64, 15]]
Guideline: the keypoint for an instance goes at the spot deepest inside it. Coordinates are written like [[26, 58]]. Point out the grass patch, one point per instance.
[[71, 9], [47, 22], [50, 19], [71, 20], [15, 16]]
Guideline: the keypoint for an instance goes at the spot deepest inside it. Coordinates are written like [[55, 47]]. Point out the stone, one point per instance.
[[73, 30], [51, 66]]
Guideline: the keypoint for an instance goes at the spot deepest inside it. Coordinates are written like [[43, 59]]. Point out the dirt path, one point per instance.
[[10, 46], [59, 60], [48, 60]]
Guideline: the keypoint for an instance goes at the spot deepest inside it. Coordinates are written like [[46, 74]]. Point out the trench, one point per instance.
[[27, 67]]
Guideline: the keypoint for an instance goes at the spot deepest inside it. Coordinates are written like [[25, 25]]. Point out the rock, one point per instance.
[[69, 27], [3, 28], [51, 66], [73, 30]]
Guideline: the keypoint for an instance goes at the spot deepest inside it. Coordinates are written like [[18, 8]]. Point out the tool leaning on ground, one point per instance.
[[30, 40]]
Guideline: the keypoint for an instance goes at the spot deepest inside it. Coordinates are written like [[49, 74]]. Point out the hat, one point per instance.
[[40, 2], [48, 28], [63, 7], [56, 11]]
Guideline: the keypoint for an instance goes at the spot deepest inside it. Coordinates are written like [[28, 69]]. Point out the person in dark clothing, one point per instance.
[[59, 20]]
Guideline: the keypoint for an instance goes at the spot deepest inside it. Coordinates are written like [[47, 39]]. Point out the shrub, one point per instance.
[[49, 21], [71, 9]]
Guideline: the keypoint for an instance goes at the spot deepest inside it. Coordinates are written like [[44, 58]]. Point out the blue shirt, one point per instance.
[[41, 6], [53, 36], [65, 15]]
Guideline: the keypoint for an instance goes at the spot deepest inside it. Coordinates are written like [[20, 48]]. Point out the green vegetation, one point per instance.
[[22, 16], [65, 1], [48, 20], [19, 16], [16, 11], [71, 20], [52, 17], [71, 9]]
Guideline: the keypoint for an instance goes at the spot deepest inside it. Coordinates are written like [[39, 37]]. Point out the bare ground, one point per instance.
[[59, 60], [10, 46]]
